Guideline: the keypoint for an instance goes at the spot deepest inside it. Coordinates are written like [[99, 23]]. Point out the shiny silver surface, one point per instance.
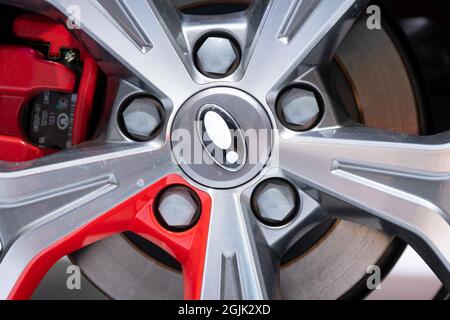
[[45, 200], [340, 259], [398, 183], [257, 247]]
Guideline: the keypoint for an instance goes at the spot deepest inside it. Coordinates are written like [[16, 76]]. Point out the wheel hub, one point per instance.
[[222, 138]]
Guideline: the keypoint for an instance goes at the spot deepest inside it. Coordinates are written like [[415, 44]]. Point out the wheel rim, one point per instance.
[[380, 188]]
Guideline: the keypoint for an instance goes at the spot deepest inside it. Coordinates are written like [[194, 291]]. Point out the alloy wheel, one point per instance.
[[389, 181]]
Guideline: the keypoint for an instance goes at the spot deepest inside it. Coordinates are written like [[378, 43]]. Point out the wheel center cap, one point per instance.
[[222, 138]]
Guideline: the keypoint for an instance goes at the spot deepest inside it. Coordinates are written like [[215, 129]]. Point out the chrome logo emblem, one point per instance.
[[221, 137]]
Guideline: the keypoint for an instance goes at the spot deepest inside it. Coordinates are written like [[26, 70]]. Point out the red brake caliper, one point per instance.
[[134, 215], [25, 73]]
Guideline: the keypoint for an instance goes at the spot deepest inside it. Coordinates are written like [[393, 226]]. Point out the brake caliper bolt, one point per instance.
[[217, 56], [178, 208], [275, 202], [70, 56], [141, 119], [299, 109]]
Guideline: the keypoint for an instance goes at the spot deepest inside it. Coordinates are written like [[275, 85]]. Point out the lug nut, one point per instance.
[[299, 109], [275, 202], [141, 119], [178, 208], [217, 56]]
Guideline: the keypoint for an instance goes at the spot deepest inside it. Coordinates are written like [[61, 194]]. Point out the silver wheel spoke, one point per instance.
[[401, 183], [289, 33], [43, 201], [138, 36], [281, 239], [239, 264]]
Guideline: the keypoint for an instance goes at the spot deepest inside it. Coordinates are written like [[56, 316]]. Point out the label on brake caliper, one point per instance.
[[51, 119]]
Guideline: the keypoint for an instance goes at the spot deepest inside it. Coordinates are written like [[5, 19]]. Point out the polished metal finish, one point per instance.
[[141, 119], [232, 225], [235, 231], [217, 56], [335, 263], [393, 182], [378, 81], [231, 285], [399, 181], [299, 12], [159, 67], [45, 200], [311, 43], [121, 14], [177, 209]]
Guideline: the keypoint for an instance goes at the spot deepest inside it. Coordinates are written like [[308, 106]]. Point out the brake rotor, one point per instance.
[[339, 260]]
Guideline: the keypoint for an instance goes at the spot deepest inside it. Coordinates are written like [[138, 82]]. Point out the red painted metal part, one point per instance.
[[85, 102], [135, 215], [16, 150], [24, 73], [44, 30]]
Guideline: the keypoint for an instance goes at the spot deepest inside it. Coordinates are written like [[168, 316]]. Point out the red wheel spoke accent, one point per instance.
[[134, 215]]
